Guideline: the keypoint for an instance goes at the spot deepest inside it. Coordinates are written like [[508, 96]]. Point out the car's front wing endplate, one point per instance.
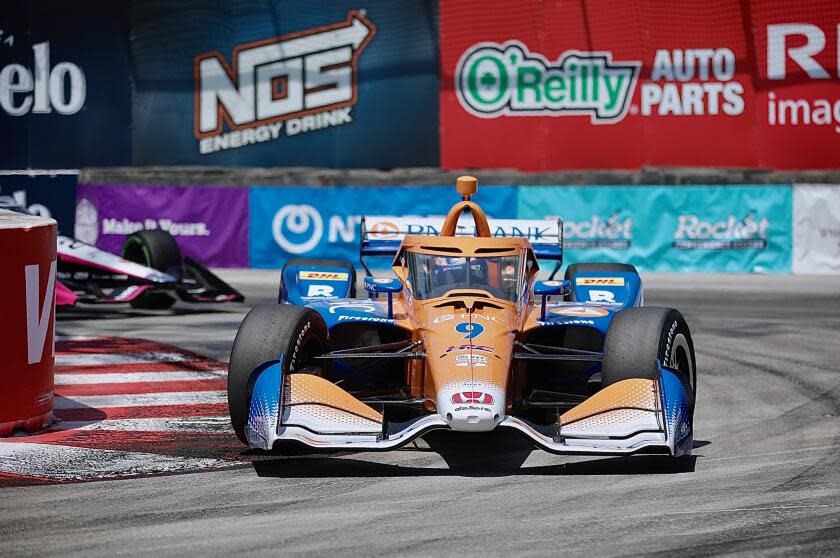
[[627, 417]]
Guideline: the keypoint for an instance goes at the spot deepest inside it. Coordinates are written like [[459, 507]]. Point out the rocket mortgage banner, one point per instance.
[[670, 228], [622, 85]]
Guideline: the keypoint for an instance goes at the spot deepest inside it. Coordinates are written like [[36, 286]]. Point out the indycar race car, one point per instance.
[[464, 338], [150, 273]]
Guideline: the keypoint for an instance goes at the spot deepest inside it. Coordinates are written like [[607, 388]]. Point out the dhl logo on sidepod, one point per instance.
[[323, 275], [614, 281]]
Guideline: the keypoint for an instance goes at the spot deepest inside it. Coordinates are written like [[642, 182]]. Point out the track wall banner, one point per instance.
[[816, 228], [324, 222], [623, 85], [209, 223], [294, 83], [47, 196], [670, 228], [65, 94]]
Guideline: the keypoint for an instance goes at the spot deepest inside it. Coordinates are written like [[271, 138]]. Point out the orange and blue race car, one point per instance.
[[464, 337]]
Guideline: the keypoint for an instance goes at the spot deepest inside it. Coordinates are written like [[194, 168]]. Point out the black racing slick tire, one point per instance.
[[594, 267], [268, 331], [319, 263], [638, 337], [156, 249]]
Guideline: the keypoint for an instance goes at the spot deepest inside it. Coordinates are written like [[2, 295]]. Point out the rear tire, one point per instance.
[[319, 263], [268, 331], [156, 249], [638, 337], [594, 267]]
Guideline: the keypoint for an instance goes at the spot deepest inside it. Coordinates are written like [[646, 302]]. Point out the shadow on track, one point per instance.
[[118, 311], [493, 454]]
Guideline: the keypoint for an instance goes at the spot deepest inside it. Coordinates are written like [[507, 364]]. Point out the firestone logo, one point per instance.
[[291, 85], [494, 79]]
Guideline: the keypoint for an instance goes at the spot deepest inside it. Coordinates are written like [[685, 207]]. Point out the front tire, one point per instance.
[[638, 337], [268, 331], [156, 249]]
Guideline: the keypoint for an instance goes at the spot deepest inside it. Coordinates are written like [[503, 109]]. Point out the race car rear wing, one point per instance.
[[382, 235]]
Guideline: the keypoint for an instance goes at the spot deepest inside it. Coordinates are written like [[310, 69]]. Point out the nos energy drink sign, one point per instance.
[[286, 84]]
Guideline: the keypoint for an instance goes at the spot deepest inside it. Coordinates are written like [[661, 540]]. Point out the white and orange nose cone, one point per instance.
[[471, 406]]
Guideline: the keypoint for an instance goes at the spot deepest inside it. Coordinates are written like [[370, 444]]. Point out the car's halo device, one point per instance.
[[464, 337]]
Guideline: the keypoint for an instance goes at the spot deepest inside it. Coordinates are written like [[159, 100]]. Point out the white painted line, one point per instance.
[[71, 463], [94, 359], [74, 338], [183, 424], [140, 400], [38, 172], [137, 377]]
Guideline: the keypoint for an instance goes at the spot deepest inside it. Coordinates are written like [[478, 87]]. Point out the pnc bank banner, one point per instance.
[[622, 85], [670, 228], [324, 222]]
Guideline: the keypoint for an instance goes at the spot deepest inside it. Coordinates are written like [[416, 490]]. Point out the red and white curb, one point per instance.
[[126, 408]]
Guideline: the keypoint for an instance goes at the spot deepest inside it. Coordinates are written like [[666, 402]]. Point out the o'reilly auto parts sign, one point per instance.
[[507, 79], [282, 86]]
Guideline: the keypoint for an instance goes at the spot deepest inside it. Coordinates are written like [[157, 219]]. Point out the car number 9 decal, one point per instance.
[[471, 330]]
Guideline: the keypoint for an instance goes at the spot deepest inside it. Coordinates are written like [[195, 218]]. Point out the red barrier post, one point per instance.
[[27, 326]]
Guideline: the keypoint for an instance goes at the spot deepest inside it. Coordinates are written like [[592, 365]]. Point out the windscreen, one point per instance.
[[433, 276]]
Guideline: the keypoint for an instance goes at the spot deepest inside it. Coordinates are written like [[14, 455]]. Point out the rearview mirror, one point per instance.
[[382, 285], [550, 288], [388, 285]]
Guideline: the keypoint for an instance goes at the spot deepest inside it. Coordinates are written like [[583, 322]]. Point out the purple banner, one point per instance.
[[209, 223]]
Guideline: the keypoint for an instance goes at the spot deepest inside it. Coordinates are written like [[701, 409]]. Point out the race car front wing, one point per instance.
[[630, 416]]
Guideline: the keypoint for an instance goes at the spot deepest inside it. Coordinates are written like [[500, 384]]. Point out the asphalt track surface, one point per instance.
[[765, 477]]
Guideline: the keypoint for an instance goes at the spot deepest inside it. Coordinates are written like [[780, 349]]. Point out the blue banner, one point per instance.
[[325, 84], [323, 222], [49, 196], [671, 228], [64, 78]]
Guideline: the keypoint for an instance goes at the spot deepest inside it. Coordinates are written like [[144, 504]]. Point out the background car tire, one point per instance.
[[158, 250], [637, 337], [319, 263], [267, 332], [594, 267]]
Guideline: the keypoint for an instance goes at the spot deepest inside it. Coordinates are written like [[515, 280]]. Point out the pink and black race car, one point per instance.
[[149, 274]]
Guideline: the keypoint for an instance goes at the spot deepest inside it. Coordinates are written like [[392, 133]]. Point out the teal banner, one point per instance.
[[671, 228]]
